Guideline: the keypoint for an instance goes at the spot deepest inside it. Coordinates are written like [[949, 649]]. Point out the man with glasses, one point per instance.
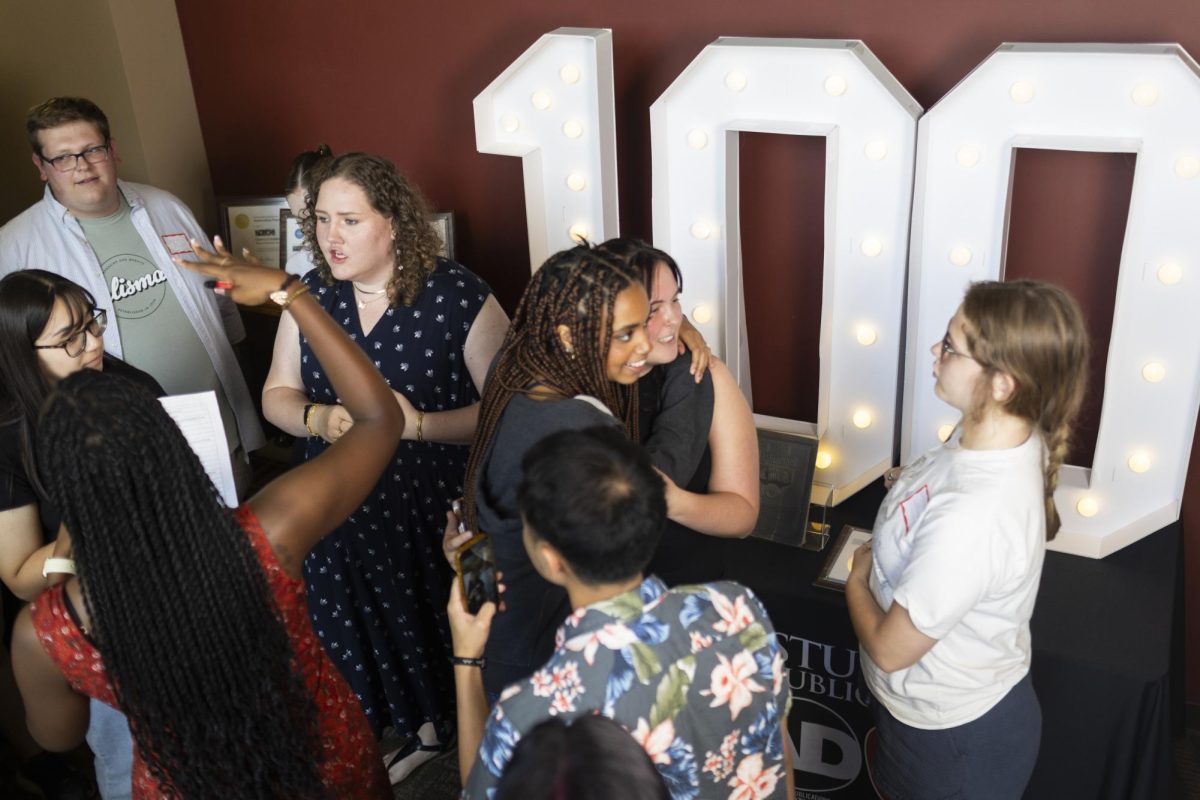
[[117, 240]]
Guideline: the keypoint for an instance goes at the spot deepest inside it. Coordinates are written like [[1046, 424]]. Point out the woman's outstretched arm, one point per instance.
[[307, 502]]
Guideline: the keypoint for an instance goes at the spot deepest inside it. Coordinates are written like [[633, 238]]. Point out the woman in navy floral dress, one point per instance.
[[377, 585]]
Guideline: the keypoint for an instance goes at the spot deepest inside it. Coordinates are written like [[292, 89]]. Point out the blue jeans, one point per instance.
[[111, 743], [990, 758]]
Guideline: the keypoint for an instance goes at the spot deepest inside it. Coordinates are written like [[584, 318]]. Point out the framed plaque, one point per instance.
[[786, 465], [254, 224], [836, 570], [291, 239], [443, 223]]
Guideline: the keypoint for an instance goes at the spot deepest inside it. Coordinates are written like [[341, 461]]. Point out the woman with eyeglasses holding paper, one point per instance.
[[49, 328], [942, 596]]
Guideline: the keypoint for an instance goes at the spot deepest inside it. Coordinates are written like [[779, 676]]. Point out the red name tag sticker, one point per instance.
[[913, 506], [177, 244]]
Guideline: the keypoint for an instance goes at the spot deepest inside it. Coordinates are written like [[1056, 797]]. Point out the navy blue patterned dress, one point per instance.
[[377, 586]]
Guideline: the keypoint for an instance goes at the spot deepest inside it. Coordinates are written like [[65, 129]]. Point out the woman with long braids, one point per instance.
[[576, 346], [376, 585], [942, 596], [700, 436], [189, 616], [49, 328]]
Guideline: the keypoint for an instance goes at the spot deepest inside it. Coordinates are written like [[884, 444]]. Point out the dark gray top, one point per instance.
[[522, 636]]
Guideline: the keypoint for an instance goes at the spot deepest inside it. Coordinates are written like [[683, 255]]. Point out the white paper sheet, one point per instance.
[[199, 418]]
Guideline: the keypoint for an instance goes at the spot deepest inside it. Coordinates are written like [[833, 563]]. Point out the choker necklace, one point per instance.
[[378, 294]]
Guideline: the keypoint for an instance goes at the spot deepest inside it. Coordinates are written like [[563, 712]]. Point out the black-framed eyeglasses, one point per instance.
[[68, 161], [948, 349], [76, 343]]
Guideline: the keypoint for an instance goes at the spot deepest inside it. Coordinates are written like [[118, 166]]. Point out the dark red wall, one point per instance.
[[274, 78]]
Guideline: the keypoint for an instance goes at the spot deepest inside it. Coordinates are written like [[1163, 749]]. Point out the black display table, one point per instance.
[[1107, 665]]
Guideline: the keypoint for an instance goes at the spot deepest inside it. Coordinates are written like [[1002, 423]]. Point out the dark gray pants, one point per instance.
[[990, 758]]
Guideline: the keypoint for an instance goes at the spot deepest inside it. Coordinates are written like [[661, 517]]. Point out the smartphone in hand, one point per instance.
[[477, 573]]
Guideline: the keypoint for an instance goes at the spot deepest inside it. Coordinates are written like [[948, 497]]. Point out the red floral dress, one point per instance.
[[352, 765]]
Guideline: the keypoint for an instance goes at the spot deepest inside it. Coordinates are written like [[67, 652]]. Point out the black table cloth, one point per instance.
[[1107, 665]]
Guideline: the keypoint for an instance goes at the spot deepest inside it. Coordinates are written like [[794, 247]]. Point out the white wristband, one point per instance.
[[58, 565]]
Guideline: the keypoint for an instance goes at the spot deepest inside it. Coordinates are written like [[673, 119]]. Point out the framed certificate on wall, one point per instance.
[[291, 239], [253, 224]]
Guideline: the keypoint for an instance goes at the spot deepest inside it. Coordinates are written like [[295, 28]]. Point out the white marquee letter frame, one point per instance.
[[554, 108], [1143, 99], [831, 88]]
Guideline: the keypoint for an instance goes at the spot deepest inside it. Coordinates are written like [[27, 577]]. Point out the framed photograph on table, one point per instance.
[[836, 570], [787, 463], [254, 224]]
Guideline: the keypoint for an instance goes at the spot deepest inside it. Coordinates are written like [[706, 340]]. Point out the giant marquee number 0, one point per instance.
[[1143, 99]]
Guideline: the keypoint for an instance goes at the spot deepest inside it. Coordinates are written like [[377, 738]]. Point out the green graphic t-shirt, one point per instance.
[[156, 336]]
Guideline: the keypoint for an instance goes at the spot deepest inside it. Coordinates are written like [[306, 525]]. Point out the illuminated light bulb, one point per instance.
[[1154, 372], [944, 431], [1187, 166], [576, 182], [1139, 461], [1087, 506], [862, 418], [540, 100], [865, 335], [835, 86], [702, 314], [1021, 92], [570, 73], [876, 150], [702, 230], [1170, 273], [1144, 95], [968, 156], [573, 129], [960, 256], [697, 139], [824, 459], [509, 123], [871, 247], [579, 232], [735, 81]]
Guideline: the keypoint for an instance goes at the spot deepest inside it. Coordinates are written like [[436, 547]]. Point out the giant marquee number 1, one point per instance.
[[1131, 98], [553, 107]]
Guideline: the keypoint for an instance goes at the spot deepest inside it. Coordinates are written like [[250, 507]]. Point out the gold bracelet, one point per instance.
[[308, 418], [302, 289], [420, 422]]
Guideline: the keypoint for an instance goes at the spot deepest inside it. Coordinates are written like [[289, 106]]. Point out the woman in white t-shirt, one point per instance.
[[942, 596]]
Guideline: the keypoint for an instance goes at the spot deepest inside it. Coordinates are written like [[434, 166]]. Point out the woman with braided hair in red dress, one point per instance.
[[189, 616]]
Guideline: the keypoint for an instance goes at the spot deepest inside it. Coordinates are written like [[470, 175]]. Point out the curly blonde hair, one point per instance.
[[417, 245]]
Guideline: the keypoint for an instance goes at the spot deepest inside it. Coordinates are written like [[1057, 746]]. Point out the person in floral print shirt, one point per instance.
[[693, 673]]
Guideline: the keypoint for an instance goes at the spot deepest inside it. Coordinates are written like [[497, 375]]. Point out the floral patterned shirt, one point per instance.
[[694, 673]]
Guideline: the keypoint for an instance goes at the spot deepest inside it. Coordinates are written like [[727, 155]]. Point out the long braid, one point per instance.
[[1036, 333], [577, 288], [180, 608]]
